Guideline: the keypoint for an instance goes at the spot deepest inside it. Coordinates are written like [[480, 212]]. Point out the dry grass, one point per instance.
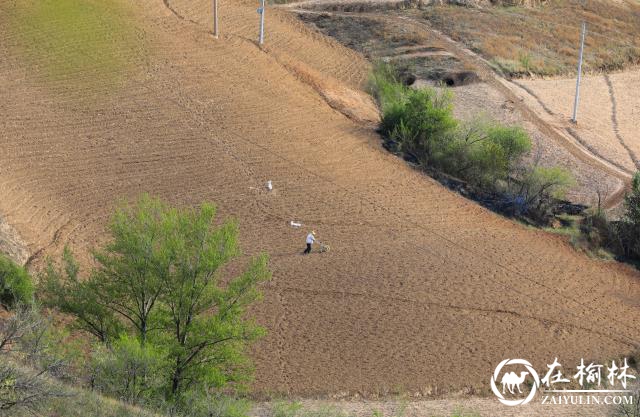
[[543, 40], [368, 35], [379, 38]]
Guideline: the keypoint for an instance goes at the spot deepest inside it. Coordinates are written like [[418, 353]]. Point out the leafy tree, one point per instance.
[[133, 269], [495, 152], [15, 284], [161, 279], [81, 298]]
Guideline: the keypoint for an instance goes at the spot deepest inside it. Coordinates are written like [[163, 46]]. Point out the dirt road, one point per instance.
[[557, 129]]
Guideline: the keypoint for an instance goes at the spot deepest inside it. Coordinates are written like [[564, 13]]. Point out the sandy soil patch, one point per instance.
[[608, 114]]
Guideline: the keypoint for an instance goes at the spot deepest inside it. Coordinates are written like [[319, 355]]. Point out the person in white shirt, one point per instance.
[[311, 238]]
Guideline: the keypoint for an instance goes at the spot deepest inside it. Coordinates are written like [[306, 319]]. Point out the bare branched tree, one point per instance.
[[23, 321], [21, 387]]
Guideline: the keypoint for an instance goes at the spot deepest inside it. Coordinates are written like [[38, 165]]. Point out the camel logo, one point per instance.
[[512, 382]]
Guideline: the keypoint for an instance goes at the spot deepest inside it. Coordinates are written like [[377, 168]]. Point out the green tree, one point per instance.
[[422, 124], [161, 278], [133, 269], [64, 290], [15, 284], [493, 153]]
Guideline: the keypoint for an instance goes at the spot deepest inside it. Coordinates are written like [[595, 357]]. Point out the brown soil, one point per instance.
[[421, 289]]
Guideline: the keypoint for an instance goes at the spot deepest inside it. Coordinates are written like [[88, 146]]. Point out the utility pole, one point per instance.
[[261, 11], [215, 19], [577, 99]]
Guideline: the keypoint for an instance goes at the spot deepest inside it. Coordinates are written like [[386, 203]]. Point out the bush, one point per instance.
[[202, 403], [540, 187], [485, 153], [597, 232], [385, 85], [129, 371], [15, 284], [620, 237], [629, 226], [422, 124], [419, 123], [629, 410], [23, 388]]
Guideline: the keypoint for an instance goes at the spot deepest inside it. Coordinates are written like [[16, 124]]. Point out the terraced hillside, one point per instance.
[[422, 290]]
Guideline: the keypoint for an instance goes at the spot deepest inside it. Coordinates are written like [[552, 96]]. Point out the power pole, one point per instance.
[[261, 11], [577, 99], [215, 19]]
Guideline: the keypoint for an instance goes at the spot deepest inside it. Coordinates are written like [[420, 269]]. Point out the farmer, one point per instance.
[[311, 237]]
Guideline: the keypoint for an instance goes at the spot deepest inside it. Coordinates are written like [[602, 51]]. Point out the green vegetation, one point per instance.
[[541, 186], [295, 409], [168, 324], [543, 40], [597, 235], [463, 412], [15, 284], [65, 38], [419, 124], [29, 388]]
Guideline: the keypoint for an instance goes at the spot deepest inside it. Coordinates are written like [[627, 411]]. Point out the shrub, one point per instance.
[[597, 232], [629, 225], [129, 371], [22, 388], [540, 187], [629, 410], [423, 124], [15, 284], [202, 403], [420, 123], [487, 152], [385, 85]]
